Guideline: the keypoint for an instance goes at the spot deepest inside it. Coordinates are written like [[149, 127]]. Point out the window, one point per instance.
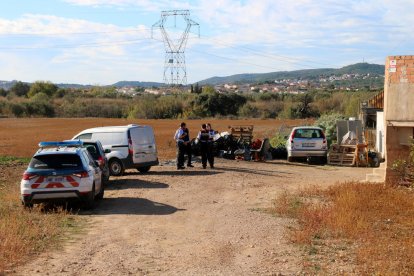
[[85, 136], [111, 138], [56, 161], [308, 133]]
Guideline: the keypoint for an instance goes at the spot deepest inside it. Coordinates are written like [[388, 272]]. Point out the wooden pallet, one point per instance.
[[242, 133], [343, 156], [348, 155]]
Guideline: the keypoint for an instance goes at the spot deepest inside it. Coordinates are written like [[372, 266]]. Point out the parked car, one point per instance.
[[97, 151], [61, 171], [132, 146], [306, 142]]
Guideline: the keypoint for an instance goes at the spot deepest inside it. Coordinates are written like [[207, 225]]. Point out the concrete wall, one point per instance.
[[398, 109]]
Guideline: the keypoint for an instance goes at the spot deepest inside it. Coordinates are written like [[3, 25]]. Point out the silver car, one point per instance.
[[306, 142]]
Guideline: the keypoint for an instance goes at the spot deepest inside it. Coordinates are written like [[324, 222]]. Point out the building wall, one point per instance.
[[398, 109]]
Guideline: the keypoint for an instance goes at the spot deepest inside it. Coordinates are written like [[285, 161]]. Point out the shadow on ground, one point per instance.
[[131, 206], [190, 172], [121, 184], [252, 171]]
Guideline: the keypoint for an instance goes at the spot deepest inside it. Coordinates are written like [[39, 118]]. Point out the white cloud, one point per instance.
[[146, 5], [236, 37], [74, 50]]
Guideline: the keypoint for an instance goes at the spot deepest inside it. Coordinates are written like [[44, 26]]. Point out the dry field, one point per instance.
[[19, 137]]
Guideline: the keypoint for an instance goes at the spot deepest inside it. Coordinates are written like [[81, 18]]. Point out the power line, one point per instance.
[[74, 33], [69, 46]]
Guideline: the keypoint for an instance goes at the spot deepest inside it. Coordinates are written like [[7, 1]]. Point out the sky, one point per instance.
[[101, 42]]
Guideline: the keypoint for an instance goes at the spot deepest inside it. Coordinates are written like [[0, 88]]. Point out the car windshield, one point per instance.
[[56, 161], [308, 133]]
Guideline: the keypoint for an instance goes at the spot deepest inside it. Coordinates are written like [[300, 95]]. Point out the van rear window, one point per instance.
[[111, 138], [56, 161]]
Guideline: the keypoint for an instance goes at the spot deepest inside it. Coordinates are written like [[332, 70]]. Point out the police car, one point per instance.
[[62, 171]]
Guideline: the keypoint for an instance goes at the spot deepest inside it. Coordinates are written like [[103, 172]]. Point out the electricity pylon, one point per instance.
[[174, 65]]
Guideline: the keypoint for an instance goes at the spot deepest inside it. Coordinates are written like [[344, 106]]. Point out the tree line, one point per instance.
[[45, 99]]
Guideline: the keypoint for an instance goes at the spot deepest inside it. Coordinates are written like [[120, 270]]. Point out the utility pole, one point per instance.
[[174, 65]]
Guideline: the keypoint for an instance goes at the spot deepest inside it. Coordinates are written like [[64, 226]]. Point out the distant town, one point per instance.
[[344, 82]]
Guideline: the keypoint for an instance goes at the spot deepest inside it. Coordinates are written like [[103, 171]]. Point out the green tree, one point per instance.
[[3, 92], [17, 109], [20, 89], [197, 89], [304, 108], [45, 87], [211, 103]]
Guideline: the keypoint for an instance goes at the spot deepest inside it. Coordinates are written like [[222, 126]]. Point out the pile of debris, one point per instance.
[[238, 143], [351, 149]]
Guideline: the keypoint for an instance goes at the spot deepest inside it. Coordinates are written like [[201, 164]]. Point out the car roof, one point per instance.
[[307, 127], [111, 128], [90, 141]]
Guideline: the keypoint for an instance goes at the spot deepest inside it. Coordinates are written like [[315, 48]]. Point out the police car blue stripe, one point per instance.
[[74, 143]]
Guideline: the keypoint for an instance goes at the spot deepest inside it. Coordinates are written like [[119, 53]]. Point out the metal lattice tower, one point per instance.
[[174, 65]]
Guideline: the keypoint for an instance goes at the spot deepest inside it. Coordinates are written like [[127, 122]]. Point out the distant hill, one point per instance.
[[8, 84], [137, 83], [73, 85], [310, 74]]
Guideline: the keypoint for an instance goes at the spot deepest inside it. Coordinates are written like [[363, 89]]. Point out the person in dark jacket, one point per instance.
[[187, 145], [181, 148], [210, 149], [203, 138]]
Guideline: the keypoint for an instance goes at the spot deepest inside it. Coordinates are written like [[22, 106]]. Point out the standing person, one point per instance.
[[210, 149], [203, 137], [187, 144], [179, 139]]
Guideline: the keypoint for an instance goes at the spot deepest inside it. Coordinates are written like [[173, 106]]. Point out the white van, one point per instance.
[[132, 146]]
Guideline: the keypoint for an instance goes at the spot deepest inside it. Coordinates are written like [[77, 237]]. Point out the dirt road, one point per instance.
[[190, 222]]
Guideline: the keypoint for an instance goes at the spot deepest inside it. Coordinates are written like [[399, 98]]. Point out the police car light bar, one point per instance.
[[74, 143]]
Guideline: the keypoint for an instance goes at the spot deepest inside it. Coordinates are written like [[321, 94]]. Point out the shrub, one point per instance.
[[18, 109], [150, 107], [249, 111], [373, 221], [328, 123], [405, 168]]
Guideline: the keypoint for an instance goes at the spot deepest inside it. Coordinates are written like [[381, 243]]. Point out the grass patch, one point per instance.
[[24, 232], [374, 221], [7, 160]]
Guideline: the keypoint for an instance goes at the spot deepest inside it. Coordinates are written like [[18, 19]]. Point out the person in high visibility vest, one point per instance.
[[179, 136], [187, 144], [210, 151], [203, 138]]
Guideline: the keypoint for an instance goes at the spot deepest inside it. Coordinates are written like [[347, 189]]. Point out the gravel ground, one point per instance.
[[191, 222]]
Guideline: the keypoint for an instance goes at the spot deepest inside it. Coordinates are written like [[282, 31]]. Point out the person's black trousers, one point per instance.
[[181, 149]]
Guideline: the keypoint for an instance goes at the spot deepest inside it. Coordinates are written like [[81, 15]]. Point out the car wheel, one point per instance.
[[290, 159], [100, 195], [115, 167], [27, 205], [89, 199], [144, 169]]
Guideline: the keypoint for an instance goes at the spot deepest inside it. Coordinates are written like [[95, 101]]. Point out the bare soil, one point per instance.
[[20, 137], [191, 222]]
